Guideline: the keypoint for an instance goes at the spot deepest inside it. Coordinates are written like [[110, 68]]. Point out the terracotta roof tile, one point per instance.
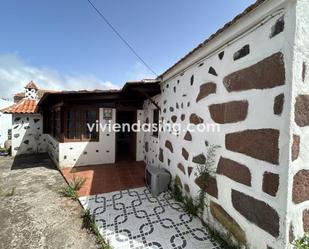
[[22, 107]]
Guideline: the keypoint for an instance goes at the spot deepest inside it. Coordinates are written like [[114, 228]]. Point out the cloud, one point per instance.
[[138, 72], [15, 74]]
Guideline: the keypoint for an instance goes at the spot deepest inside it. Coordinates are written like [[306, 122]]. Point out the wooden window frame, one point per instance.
[[51, 118], [82, 121]]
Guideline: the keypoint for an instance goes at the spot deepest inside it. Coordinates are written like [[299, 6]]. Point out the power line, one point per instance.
[[122, 38]]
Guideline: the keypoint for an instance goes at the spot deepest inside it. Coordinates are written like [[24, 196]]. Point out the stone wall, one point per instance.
[[246, 88], [27, 135], [298, 208], [52, 148]]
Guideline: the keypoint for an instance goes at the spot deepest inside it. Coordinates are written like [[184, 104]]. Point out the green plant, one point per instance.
[[190, 206], [204, 173], [77, 182], [302, 243], [225, 242], [89, 223], [2, 150], [68, 191], [7, 193], [176, 192], [10, 193]]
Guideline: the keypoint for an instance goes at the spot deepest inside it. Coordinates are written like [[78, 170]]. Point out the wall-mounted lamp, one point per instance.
[[107, 114]]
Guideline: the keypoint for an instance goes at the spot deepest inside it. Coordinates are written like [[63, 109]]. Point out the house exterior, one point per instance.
[[5, 122], [251, 78], [26, 126]]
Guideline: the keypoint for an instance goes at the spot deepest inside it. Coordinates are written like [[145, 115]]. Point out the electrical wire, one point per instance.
[[122, 38]]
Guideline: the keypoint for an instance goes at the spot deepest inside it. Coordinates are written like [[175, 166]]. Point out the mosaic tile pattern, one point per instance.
[[135, 219]]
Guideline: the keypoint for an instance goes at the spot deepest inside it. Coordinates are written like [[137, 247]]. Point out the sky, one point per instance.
[[64, 45]]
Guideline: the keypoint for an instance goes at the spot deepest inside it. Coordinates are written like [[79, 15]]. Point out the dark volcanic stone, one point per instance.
[[212, 71], [291, 233], [306, 220], [195, 119], [190, 169], [192, 80], [146, 146], [295, 147], [210, 186], [182, 168], [245, 50], [257, 212], [178, 181], [278, 104], [230, 112], [188, 136], [228, 222], [304, 71], [277, 28], [301, 186], [267, 73], [205, 90], [270, 183], [221, 55], [302, 110], [174, 118], [161, 156], [185, 153], [261, 144], [182, 117], [235, 171], [199, 159], [169, 145]]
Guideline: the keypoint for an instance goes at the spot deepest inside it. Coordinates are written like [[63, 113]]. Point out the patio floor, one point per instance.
[[108, 177], [135, 219]]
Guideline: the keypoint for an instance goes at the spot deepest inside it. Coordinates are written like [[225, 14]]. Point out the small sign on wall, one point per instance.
[[107, 114]]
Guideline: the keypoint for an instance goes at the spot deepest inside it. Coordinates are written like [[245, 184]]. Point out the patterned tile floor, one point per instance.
[[135, 219]]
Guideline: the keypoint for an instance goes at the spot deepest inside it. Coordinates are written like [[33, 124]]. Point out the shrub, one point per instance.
[[190, 206], [89, 223], [177, 193], [302, 243], [77, 182], [68, 191]]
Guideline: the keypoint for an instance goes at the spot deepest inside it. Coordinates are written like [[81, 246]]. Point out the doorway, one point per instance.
[[125, 139]]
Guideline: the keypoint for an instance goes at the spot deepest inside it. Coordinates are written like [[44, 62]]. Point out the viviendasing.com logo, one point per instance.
[[162, 126]]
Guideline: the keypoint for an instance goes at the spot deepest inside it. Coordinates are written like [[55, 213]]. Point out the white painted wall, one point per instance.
[[52, 148], [260, 115], [300, 45], [90, 153], [27, 135], [5, 121], [140, 137]]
